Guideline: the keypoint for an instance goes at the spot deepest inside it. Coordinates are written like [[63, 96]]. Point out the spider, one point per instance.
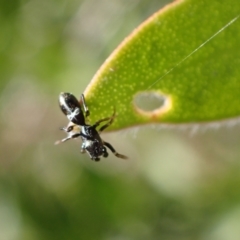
[[92, 143]]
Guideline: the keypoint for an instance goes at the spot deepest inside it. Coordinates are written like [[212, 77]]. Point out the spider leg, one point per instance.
[[83, 150], [114, 151], [110, 119], [96, 124], [68, 138], [82, 100], [109, 123]]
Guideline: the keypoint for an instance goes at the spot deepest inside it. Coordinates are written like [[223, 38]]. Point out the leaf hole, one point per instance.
[[151, 103]]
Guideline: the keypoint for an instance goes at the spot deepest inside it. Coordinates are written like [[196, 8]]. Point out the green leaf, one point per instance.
[[185, 59]]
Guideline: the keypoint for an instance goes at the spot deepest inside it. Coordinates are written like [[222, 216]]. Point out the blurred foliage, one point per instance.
[[177, 184]]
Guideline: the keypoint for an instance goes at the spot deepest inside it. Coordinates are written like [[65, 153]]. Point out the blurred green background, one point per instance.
[[177, 184]]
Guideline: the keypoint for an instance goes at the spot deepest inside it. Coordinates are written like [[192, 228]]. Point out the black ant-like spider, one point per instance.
[[91, 140]]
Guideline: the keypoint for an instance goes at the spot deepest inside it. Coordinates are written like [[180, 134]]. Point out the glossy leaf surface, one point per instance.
[[187, 55]]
